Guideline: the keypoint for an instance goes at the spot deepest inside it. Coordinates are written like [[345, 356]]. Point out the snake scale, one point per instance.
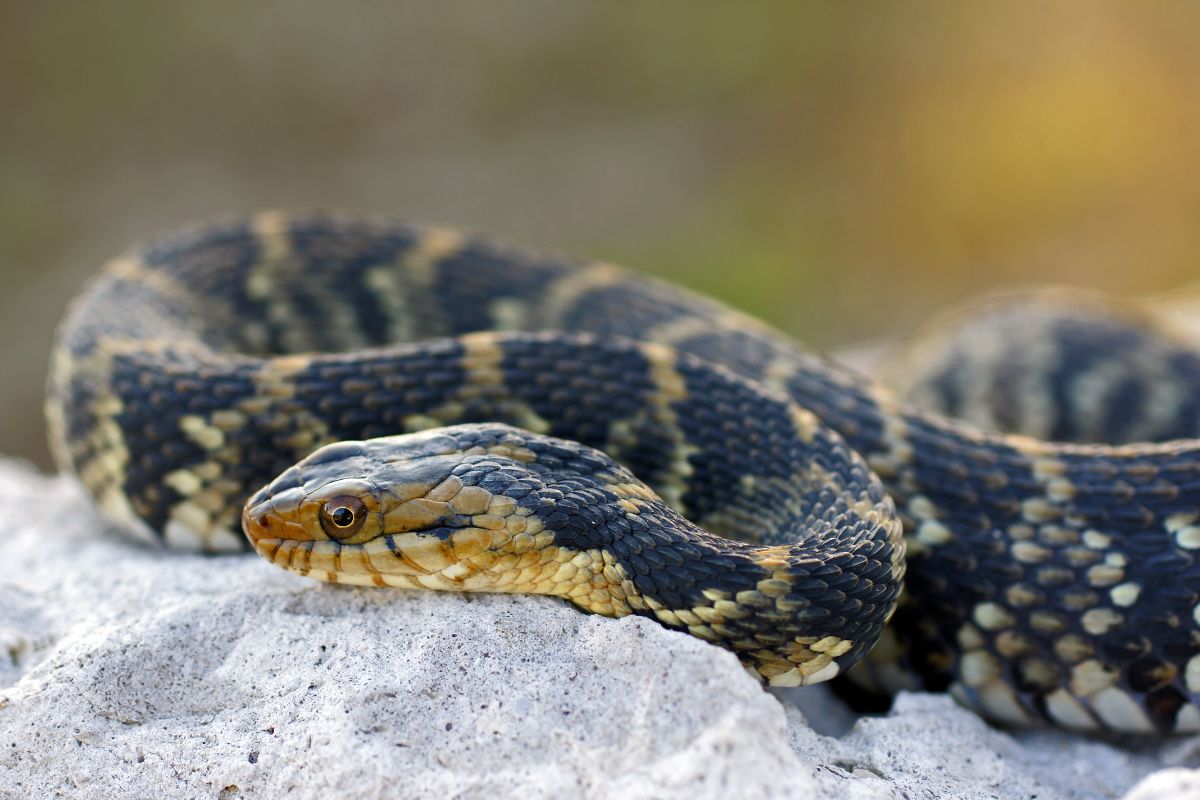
[[428, 408]]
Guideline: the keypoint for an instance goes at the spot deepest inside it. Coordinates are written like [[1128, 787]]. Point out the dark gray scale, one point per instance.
[[220, 264], [1062, 365], [738, 438], [820, 386], [371, 394], [946, 582], [831, 394], [338, 253], [214, 259], [470, 283], [213, 264], [144, 310], [1085, 346], [748, 354], [155, 398], [322, 282], [583, 399], [630, 308]]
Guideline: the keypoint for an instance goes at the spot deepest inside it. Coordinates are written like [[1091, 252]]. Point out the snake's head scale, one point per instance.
[[426, 510]]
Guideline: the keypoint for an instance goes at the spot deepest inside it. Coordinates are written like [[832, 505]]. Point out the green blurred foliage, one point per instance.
[[841, 171]]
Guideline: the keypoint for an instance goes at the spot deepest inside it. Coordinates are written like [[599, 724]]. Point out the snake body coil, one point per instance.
[[1046, 582]]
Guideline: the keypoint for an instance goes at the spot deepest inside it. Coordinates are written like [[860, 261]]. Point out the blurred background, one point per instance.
[[837, 173]]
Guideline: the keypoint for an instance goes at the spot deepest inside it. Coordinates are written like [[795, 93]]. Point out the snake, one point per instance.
[[383, 403]]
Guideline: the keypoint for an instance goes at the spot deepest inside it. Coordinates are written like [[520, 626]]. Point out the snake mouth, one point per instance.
[[429, 559], [402, 561]]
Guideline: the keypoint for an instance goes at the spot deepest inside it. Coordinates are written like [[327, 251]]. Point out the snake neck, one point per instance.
[[785, 609]]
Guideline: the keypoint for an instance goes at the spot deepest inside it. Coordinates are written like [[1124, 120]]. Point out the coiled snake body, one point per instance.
[[1047, 582]]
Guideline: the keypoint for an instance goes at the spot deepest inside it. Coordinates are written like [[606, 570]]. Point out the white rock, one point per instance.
[[1168, 784], [130, 672]]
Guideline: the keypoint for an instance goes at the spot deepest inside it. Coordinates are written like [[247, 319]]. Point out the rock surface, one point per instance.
[[130, 672]]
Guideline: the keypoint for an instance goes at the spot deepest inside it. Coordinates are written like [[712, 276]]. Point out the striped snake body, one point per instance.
[[431, 409]]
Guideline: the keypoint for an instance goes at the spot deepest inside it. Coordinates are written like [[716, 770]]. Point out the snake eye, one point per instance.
[[342, 517]]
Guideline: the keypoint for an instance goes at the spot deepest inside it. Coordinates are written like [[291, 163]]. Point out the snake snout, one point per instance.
[[263, 522], [256, 523]]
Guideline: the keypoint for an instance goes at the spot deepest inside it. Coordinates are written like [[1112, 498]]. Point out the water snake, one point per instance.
[[609, 435]]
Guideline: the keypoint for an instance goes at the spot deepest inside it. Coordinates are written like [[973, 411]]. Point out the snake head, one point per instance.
[[425, 510]]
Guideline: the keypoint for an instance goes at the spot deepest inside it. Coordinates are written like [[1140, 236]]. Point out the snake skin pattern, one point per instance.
[[1057, 363], [1046, 582]]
